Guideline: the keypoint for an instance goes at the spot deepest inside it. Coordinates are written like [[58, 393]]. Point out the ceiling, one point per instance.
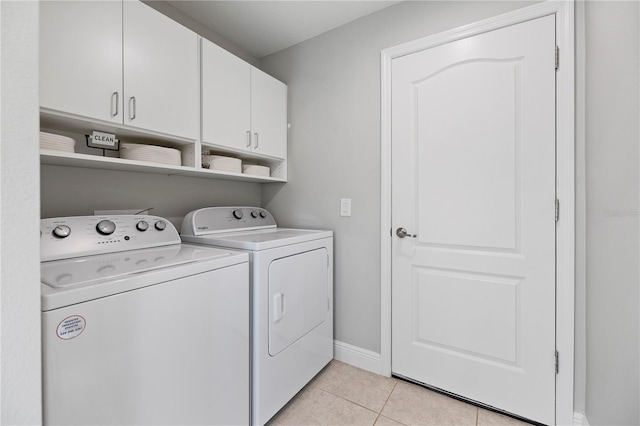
[[264, 27]]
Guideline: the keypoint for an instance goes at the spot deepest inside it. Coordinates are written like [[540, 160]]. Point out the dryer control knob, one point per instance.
[[238, 214], [263, 215], [61, 231], [106, 227], [160, 225], [254, 214], [142, 226]]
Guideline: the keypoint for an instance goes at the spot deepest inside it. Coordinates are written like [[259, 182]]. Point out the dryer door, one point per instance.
[[298, 297]]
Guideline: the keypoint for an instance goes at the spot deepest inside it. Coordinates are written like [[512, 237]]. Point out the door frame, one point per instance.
[[565, 182]]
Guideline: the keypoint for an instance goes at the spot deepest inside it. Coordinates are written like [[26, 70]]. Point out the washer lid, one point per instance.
[[259, 239], [77, 280]]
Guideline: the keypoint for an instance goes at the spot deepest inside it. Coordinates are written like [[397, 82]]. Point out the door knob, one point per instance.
[[401, 233]]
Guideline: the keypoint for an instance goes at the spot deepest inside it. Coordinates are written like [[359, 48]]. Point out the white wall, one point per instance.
[[580, 358], [334, 144], [195, 26], [20, 376], [74, 191], [68, 191], [612, 384], [334, 153]]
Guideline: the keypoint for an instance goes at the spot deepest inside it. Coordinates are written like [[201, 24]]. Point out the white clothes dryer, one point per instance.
[[292, 298], [140, 329]]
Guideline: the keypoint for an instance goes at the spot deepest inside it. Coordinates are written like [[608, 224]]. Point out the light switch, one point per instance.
[[345, 207]]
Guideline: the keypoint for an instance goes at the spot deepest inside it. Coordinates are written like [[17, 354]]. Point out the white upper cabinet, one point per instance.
[[242, 107], [268, 115], [81, 58], [226, 98], [122, 67], [160, 72], [120, 62]]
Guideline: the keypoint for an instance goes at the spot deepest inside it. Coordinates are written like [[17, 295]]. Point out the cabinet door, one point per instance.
[[268, 115], [160, 72], [226, 98], [81, 58]]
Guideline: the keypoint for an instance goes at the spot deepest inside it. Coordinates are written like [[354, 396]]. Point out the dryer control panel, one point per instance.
[[75, 236], [214, 220]]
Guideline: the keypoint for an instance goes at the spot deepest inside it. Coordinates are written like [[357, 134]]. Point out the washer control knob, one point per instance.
[[160, 225], [238, 214], [263, 215], [142, 226], [61, 231], [106, 227], [254, 214]]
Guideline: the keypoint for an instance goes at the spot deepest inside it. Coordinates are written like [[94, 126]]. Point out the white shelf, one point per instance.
[[60, 158], [240, 153], [76, 126], [50, 119]]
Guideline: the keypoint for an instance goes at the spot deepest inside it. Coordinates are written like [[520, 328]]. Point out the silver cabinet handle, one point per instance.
[[132, 108], [402, 233], [256, 144], [248, 138], [117, 96]]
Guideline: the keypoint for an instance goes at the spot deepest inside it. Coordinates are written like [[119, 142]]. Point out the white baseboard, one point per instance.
[[358, 357], [579, 419], [370, 361]]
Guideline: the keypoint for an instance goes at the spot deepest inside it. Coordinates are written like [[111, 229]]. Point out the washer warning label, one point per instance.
[[71, 327]]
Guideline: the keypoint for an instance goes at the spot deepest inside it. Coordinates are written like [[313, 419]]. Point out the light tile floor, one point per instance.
[[345, 395]]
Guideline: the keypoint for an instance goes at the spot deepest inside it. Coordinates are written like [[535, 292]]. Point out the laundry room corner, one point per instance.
[[334, 146]]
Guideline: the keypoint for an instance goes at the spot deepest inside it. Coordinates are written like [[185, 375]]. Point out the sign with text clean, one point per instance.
[[103, 140]]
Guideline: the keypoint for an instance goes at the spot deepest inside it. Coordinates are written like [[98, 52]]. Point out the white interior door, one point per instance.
[[473, 177]]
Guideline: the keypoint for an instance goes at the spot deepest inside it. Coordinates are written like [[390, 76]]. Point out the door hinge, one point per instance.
[[557, 362], [557, 57], [557, 210]]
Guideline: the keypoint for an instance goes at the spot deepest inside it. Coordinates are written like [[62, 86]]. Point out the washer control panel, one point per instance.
[[75, 236], [213, 220]]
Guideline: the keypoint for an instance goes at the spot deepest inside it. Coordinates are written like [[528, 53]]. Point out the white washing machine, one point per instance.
[[140, 329], [292, 298]]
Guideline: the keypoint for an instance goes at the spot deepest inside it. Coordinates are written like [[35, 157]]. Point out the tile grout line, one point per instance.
[[346, 399], [320, 387], [387, 400], [378, 413], [376, 420]]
